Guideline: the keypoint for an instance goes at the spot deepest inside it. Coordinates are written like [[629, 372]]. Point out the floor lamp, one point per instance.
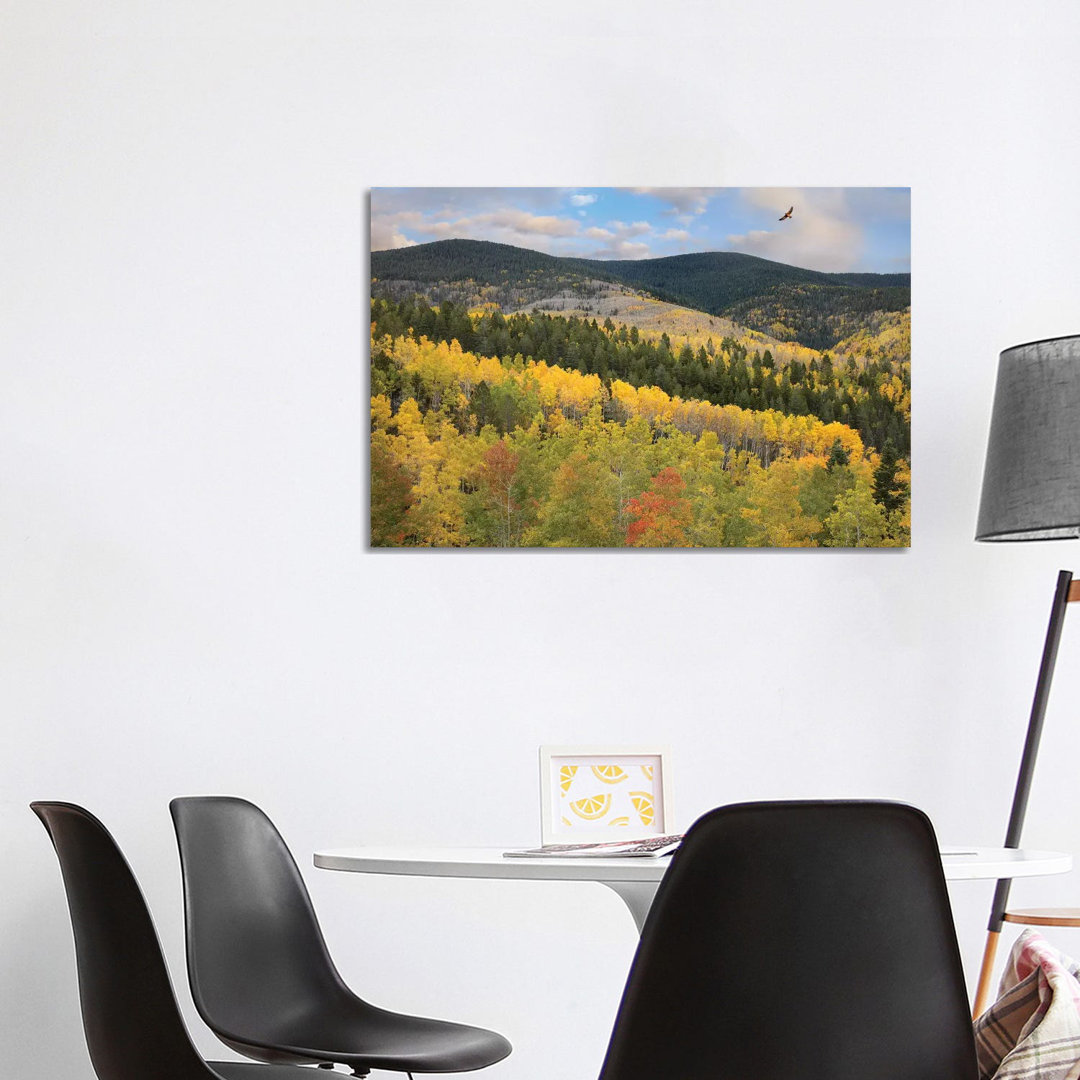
[[1031, 491]]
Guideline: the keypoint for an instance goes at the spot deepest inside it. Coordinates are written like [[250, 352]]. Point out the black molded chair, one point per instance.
[[798, 941], [133, 1026], [259, 969]]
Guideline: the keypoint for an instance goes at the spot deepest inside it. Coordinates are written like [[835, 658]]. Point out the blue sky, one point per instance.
[[832, 229]]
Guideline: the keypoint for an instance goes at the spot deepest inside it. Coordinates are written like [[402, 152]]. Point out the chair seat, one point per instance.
[[364, 1037], [1044, 916]]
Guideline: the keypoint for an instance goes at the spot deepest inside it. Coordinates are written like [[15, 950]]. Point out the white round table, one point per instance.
[[636, 879]]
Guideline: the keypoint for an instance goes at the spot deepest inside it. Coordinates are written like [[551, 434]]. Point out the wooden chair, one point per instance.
[[1050, 916]]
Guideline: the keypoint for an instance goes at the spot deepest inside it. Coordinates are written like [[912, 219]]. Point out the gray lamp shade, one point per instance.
[[1031, 484]]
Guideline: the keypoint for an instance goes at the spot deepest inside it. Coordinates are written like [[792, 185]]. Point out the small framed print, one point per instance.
[[594, 793]]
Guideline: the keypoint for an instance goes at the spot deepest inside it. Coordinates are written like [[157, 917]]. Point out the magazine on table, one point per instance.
[[649, 847]]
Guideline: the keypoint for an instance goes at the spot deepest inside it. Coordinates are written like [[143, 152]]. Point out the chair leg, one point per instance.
[[982, 992]]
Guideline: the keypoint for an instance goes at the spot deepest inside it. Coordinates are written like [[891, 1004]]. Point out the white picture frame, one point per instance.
[[590, 794]]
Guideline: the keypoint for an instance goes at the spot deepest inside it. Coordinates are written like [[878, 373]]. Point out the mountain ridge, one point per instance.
[[812, 307], [435, 260]]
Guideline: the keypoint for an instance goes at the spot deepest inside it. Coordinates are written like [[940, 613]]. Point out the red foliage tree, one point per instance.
[[391, 497], [660, 516], [497, 471]]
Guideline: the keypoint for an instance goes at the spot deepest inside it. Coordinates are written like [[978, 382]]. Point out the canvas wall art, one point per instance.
[[640, 367]]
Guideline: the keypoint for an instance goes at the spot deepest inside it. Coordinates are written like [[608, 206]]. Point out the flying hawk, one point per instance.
[[788, 214]]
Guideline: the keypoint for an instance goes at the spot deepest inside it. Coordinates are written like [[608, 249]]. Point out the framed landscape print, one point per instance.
[[595, 793], [640, 367]]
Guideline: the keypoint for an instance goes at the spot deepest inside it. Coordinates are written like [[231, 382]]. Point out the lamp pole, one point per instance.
[[1064, 592]]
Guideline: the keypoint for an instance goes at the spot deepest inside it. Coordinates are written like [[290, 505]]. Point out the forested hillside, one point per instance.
[[872, 396], [818, 316], [716, 277], [813, 308], [722, 282], [474, 272]]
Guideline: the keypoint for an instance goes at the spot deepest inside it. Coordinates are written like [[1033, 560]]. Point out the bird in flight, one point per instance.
[[791, 210]]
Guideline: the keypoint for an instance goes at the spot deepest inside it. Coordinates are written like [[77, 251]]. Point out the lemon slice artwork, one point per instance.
[[566, 777], [592, 808], [624, 820], [609, 774], [643, 804]]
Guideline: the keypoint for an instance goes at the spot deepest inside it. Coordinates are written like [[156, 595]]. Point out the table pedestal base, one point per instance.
[[637, 896]]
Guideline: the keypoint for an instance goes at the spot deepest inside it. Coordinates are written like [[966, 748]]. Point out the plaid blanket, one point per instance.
[[1032, 1031]]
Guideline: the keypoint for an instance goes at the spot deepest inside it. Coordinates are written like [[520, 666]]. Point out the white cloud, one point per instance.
[[386, 230], [811, 239], [525, 217], [440, 229], [780, 198], [623, 249], [509, 225], [509, 220], [821, 234], [635, 228], [582, 200], [684, 204], [522, 221], [618, 240], [398, 240], [676, 234]]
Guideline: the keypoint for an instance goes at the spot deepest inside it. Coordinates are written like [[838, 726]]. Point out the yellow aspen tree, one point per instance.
[[773, 509], [857, 521]]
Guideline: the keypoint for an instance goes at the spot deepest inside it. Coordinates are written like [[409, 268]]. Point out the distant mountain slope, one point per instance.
[[717, 277], [818, 316], [456, 260], [813, 308], [602, 300], [714, 280], [631, 307], [476, 272], [886, 335]]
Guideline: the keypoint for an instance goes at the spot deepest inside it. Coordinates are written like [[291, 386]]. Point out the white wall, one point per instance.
[[187, 605]]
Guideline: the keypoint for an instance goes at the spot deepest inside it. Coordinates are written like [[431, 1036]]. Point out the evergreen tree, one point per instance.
[[838, 456], [888, 493]]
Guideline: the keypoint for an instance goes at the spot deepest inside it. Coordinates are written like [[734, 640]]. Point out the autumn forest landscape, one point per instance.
[[601, 368]]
